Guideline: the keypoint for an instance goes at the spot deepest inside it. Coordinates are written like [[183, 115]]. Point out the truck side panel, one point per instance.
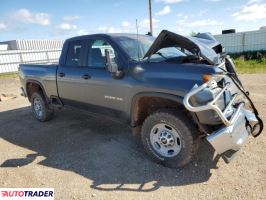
[[161, 78], [43, 74]]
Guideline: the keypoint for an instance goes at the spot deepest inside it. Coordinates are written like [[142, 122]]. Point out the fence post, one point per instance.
[[47, 56], [20, 57], [243, 41]]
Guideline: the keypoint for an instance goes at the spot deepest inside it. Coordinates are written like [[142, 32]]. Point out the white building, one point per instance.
[[244, 41]]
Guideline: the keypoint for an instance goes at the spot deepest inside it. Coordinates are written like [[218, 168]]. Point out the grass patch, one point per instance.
[[250, 66], [250, 62], [9, 75]]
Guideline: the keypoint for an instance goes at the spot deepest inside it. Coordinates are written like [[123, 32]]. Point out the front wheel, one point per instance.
[[40, 108], [169, 138]]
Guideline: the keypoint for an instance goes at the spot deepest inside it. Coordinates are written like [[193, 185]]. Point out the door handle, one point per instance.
[[61, 74], [86, 76]]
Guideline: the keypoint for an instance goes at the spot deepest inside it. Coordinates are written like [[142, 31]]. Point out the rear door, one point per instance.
[[73, 75]]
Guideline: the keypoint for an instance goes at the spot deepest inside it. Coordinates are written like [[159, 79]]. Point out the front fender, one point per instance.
[[177, 99]]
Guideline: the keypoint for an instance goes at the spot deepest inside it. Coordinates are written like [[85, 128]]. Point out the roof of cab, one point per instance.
[[107, 35]]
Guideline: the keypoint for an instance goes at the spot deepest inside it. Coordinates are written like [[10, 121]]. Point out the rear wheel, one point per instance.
[[40, 108], [169, 138]]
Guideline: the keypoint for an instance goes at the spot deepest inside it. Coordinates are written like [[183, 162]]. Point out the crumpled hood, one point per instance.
[[204, 45]]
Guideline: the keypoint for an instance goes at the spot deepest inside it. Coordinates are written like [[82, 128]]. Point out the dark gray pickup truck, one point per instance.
[[172, 90]]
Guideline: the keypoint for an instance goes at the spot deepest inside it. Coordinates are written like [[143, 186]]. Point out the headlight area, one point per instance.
[[219, 100], [213, 92]]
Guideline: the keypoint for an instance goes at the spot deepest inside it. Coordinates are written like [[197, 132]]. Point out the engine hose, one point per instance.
[[260, 122]]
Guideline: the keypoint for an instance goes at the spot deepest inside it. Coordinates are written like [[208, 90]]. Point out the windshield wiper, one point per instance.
[[160, 54]]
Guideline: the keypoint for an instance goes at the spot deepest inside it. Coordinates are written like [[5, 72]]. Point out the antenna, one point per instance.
[[137, 28], [150, 15]]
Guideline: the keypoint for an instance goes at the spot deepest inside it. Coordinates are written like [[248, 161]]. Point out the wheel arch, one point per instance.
[[154, 101], [35, 86]]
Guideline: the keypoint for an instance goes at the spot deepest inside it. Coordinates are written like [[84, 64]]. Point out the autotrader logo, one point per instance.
[[27, 193]]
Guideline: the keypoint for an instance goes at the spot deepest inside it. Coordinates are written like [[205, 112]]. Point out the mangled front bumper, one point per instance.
[[228, 140], [236, 121]]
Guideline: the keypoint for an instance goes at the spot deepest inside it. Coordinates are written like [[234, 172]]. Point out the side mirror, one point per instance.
[[110, 63], [112, 66]]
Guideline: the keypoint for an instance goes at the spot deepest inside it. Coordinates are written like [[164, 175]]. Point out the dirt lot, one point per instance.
[[88, 157]]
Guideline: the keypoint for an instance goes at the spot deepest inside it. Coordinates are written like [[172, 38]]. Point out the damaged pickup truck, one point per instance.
[[173, 90]]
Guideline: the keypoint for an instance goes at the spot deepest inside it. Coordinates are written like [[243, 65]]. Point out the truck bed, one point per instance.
[[44, 74]]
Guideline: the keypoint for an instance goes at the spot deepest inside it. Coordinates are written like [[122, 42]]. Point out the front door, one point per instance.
[[106, 92]]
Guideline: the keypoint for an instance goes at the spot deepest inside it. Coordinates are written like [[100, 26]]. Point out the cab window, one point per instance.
[[96, 53], [74, 53]]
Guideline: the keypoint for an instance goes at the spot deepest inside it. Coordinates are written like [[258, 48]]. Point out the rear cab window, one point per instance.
[[74, 53]]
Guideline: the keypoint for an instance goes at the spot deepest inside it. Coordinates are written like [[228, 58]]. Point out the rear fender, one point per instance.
[[41, 87]]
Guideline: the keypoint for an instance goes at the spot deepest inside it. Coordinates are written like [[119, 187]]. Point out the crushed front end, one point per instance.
[[226, 111]]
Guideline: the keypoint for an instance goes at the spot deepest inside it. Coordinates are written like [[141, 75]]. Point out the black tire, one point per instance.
[[46, 113], [187, 141]]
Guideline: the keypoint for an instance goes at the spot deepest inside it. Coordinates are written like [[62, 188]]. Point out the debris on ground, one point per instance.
[[5, 97]]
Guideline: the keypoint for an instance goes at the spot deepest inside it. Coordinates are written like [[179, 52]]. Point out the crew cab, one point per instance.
[[173, 90]]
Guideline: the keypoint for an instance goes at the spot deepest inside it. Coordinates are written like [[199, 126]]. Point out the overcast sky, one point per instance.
[[60, 19]]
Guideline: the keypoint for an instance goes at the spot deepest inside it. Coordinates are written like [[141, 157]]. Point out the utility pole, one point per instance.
[[150, 13]]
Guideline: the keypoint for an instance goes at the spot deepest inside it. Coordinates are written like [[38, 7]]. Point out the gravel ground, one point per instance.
[[88, 157]]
